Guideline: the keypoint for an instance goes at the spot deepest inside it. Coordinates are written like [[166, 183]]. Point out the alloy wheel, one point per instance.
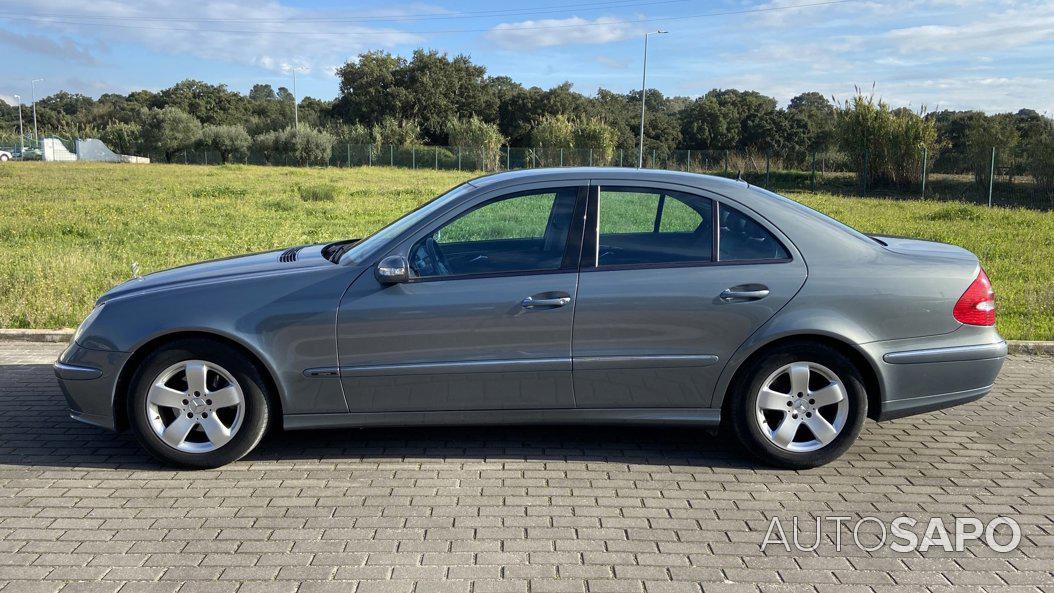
[[802, 407], [195, 406]]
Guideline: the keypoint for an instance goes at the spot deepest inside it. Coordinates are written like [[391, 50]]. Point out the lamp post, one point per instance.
[[296, 111], [21, 134], [33, 91], [643, 93]]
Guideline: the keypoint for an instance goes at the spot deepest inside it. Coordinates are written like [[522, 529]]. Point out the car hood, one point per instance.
[[223, 270]]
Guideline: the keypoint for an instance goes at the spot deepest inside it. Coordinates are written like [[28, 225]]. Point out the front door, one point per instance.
[[484, 323], [659, 309]]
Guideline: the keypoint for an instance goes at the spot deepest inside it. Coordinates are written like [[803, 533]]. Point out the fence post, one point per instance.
[[591, 156], [561, 157], [768, 158], [813, 176], [391, 155], [185, 161], [413, 157], [621, 152], [726, 162], [458, 158], [925, 159], [653, 158], [991, 178], [508, 158], [437, 158], [867, 168], [688, 164], [206, 153]]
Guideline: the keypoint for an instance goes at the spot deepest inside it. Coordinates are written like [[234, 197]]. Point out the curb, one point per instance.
[[1033, 347], [36, 335]]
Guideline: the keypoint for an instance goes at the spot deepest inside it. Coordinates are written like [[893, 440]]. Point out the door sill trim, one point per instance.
[[705, 417]]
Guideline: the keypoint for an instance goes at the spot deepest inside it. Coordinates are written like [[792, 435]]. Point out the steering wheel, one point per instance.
[[442, 267]]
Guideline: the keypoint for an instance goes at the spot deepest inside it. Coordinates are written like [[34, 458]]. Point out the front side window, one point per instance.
[[519, 233], [744, 239], [646, 226]]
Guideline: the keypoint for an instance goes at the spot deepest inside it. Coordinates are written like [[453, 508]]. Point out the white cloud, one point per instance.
[[266, 34], [63, 49], [528, 35]]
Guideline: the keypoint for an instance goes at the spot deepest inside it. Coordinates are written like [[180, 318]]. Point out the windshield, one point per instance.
[[368, 247]]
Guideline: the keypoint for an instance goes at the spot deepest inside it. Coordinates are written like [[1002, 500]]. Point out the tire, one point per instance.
[[3, 158], [755, 418], [227, 375]]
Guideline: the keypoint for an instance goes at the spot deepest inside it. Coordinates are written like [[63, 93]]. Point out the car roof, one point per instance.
[[711, 182]]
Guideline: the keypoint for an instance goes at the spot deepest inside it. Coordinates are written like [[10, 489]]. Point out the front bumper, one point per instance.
[[923, 379], [88, 380]]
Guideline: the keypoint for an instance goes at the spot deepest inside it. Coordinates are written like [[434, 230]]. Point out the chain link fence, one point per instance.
[[982, 176]]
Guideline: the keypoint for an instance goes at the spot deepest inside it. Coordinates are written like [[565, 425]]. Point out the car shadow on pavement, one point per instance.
[[36, 431]]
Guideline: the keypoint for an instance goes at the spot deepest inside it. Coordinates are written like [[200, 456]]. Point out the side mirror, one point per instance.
[[393, 269]]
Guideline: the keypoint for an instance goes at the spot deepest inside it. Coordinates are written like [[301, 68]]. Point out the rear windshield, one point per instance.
[[832, 221]]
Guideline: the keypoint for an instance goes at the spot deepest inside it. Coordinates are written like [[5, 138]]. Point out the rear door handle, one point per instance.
[[737, 293], [533, 303]]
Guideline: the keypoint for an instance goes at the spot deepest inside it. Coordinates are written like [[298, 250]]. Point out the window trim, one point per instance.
[[592, 233], [569, 263]]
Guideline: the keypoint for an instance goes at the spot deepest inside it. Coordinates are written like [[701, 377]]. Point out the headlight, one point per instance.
[[87, 321]]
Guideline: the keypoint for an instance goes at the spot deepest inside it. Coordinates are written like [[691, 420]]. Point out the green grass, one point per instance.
[[70, 231]]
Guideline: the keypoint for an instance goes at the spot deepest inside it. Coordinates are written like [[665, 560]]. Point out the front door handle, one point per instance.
[[751, 292], [533, 303]]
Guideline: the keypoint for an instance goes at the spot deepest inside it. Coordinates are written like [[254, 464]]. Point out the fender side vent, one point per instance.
[[289, 255]]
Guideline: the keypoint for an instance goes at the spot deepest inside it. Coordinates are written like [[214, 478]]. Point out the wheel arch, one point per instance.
[[867, 368], [140, 352]]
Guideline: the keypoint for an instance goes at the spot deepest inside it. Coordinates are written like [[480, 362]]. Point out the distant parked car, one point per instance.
[[611, 296], [5, 156]]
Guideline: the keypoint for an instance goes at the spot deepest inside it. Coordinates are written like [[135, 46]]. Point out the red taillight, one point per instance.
[[977, 305]]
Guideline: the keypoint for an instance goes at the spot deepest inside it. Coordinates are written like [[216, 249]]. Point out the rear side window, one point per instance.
[[743, 239], [648, 226]]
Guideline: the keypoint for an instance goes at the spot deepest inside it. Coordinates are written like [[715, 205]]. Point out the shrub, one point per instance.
[[227, 140], [553, 131], [122, 138], [317, 193], [1041, 162], [311, 146], [883, 145], [397, 132], [595, 135], [483, 140], [169, 130]]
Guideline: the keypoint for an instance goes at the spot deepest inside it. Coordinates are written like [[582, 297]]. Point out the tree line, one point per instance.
[[431, 98]]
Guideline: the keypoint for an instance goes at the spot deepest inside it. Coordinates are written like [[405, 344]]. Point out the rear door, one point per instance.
[[672, 282]]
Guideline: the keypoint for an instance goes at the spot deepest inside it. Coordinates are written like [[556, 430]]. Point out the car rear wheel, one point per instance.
[[799, 406], [198, 403]]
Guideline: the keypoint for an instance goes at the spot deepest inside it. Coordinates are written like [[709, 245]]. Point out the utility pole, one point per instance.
[[296, 113], [21, 134], [643, 93], [33, 91]]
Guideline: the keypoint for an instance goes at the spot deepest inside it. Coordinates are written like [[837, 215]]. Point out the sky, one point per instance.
[[991, 55]]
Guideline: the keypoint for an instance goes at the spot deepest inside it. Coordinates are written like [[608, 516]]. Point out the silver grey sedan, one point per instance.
[[610, 296]]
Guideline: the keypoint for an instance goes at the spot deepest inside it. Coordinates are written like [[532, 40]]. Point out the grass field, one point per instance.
[[70, 231]]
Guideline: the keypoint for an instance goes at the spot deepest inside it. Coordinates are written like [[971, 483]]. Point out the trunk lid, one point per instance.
[[908, 246]]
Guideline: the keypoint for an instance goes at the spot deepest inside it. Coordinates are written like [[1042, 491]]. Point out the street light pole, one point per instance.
[[643, 93], [33, 91], [21, 134]]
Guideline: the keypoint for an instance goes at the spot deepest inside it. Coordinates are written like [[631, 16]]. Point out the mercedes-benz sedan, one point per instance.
[[549, 296]]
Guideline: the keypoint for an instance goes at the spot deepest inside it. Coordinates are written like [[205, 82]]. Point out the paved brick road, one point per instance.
[[538, 510]]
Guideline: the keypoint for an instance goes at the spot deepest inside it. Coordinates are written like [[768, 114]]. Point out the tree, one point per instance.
[[982, 135], [708, 124], [226, 140], [369, 91], [818, 114], [209, 103], [169, 130], [311, 146], [884, 145]]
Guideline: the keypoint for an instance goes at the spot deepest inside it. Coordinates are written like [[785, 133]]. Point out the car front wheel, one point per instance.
[[799, 406], [198, 403]]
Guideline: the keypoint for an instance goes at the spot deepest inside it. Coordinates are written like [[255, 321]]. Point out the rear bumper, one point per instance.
[[88, 379], [921, 380]]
